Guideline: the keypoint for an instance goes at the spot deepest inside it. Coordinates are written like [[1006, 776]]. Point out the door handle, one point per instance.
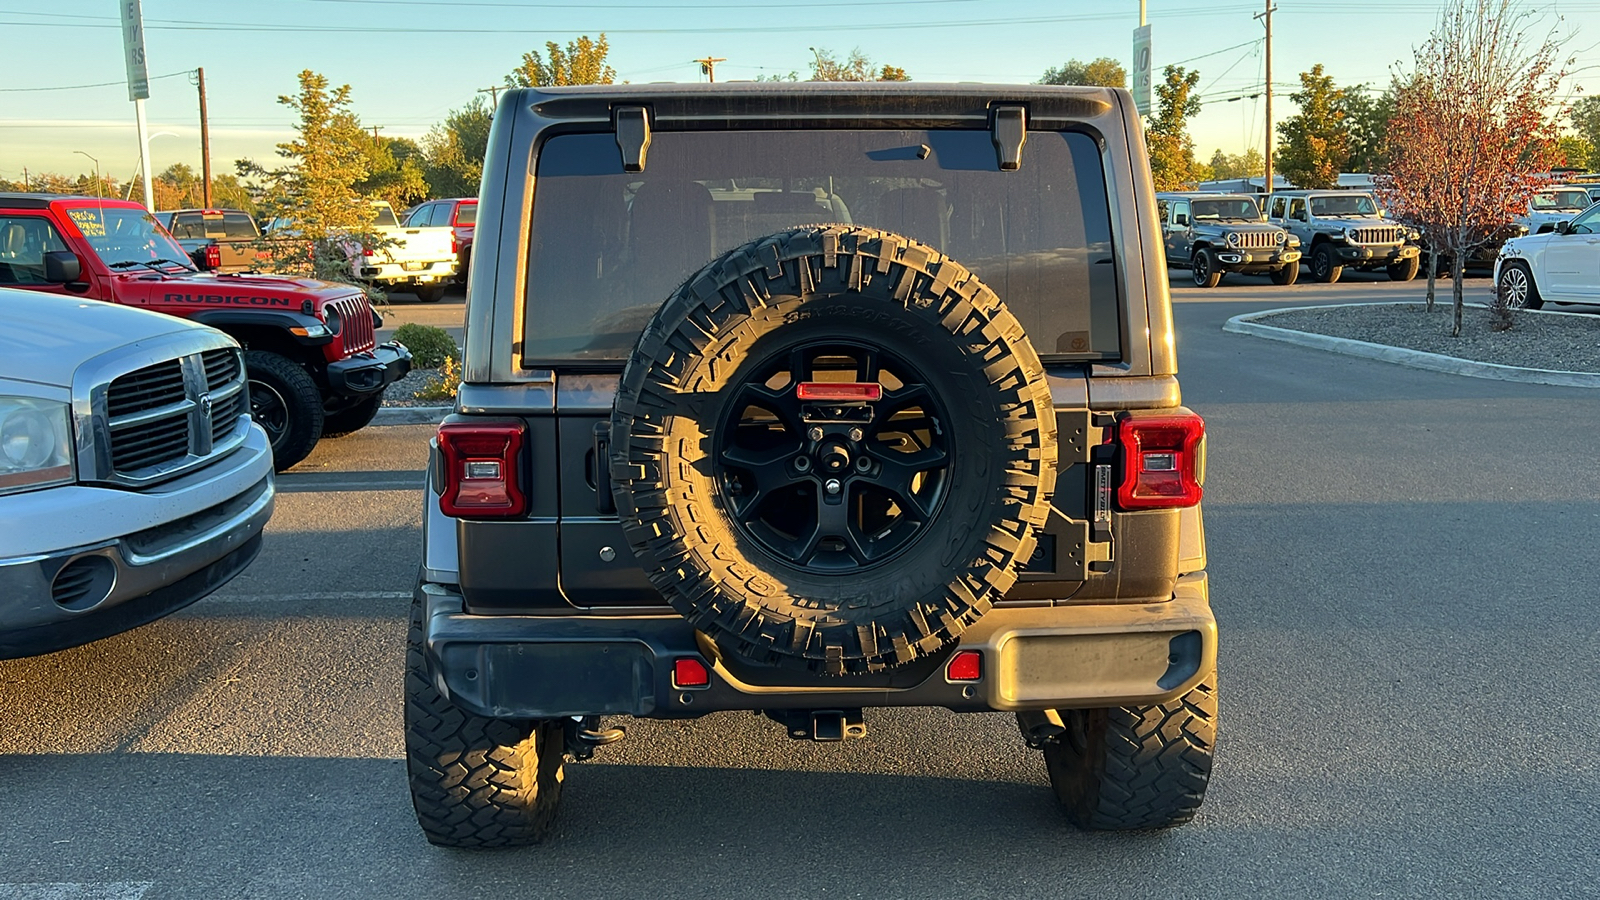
[[603, 501]]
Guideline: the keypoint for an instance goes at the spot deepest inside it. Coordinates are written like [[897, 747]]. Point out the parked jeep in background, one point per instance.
[[460, 215], [217, 240], [1211, 234], [1340, 229], [314, 367], [132, 480], [779, 398], [1548, 208]]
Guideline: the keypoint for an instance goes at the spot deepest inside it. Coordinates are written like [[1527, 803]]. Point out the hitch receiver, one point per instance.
[[821, 725]]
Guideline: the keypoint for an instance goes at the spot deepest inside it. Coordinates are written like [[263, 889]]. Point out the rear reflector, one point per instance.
[[965, 666], [840, 391], [1160, 461], [690, 673], [481, 461]]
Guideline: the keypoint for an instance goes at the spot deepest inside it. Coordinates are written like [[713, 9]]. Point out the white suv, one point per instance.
[[1559, 266], [132, 479]]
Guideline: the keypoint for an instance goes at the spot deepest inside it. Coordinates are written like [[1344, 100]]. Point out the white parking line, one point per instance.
[[67, 890], [326, 596]]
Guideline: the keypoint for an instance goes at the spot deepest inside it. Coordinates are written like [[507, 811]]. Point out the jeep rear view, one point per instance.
[[810, 400]]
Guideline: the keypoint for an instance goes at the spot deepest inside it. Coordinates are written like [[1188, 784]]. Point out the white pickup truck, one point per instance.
[[419, 260], [132, 479]]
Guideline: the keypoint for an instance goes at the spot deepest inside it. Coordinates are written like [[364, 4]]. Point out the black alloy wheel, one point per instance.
[[268, 408], [830, 485]]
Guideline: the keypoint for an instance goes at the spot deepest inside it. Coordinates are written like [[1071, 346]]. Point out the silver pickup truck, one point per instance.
[[132, 479]]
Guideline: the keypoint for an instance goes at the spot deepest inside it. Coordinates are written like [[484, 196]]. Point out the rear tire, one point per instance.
[[1286, 275], [349, 421], [286, 403], [1405, 269], [1204, 268], [1127, 768], [428, 293], [476, 783]]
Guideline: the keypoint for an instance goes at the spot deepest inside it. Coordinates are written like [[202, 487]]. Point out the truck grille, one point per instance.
[[171, 415], [1255, 240], [1378, 235], [355, 323]]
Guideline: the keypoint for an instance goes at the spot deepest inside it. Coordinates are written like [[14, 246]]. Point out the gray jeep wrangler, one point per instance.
[[809, 399], [1215, 233], [1339, 229]]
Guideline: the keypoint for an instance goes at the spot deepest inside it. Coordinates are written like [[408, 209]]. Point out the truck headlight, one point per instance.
[[1283, 237], [1348, 234], [35, 444], [1233, 239]]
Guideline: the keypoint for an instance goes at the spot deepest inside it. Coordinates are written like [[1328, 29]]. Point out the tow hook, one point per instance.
[[821, 725], [584, 733], [1040, 726]]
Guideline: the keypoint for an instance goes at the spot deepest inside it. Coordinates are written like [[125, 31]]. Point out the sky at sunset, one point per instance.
[[410, 61]]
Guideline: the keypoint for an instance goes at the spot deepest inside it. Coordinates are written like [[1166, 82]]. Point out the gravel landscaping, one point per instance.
[[1538, 340], [400, 393]]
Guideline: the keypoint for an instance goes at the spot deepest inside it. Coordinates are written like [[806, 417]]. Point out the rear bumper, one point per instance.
[[370, 372], [419, 273], [534, 667]]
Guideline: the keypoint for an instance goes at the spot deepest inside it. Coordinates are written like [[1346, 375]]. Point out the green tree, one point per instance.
[[315, 187], [1586, 119], [1367, 115], [454, 150], [1314, 144], [582, 62], [791, 76], [1226, 166], [394, 171], [1575, 152], [1172, 162], [855, 67], [1104, 71]]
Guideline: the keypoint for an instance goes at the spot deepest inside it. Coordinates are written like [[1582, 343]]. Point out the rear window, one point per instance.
[[238, 225], [609, 247], [467, 214]]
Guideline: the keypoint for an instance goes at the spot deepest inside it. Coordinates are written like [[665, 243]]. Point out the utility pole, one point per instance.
[[1143, 19], [494, 93], [26, 185], [708, 66], [1266, 18], [205, 143], [375, 131]]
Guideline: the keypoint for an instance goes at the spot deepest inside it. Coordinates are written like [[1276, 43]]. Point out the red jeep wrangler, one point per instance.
[[313, 364]]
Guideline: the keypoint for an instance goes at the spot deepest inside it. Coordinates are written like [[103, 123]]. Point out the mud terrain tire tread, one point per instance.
[[1324, 255], [681, 536], [301, 397], [352, 420], [1142, 767], [476, 783]]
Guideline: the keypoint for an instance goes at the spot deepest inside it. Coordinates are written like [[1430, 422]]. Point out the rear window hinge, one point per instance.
[[633, 136], [1009, 129]]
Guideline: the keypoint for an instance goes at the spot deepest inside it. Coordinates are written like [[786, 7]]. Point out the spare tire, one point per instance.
[[835, 535]]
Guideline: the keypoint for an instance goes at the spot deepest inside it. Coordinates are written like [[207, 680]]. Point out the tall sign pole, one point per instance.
[[138, 85], [1141, 65]]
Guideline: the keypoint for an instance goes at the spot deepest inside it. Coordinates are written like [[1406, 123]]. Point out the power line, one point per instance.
[[79, 87]]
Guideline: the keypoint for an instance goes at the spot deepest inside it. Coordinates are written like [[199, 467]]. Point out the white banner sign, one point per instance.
[[133, 49], [1141, 69]]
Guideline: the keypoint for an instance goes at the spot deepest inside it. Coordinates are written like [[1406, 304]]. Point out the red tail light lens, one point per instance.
[[213, 256], [965, 666], [1160, 461], [690, 673], [455, 246], [482, 462], [839, 390]]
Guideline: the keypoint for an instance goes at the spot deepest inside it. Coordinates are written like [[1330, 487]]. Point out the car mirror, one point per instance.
[[62, 267], [1563, 227], [1181, 220]]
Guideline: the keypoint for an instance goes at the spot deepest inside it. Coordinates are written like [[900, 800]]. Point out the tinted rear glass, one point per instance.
[[608, 247], [467, 214], [238, 225]]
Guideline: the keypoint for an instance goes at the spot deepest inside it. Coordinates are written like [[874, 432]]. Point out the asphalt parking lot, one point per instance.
[[1407, 680]]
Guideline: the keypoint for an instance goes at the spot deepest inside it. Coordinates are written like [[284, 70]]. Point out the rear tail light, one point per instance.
[[455, 246], [1160, 461], [213, 256], [482, 466], [690, 673], [856, 391], [965, 666], [366, 251]]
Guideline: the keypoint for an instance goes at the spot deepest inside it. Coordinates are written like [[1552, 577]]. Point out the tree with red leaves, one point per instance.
[[1475, 124]]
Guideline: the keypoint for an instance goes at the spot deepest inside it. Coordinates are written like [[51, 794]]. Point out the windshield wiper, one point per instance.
[[155, 264]]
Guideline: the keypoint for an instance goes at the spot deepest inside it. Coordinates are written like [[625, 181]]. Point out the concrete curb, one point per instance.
[[412, 415], [1416, 359]]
